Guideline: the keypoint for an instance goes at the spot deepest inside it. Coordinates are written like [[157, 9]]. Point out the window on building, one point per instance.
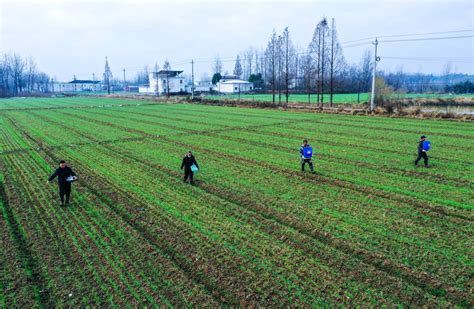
[[164, 81], [181, 81], [235, 88]]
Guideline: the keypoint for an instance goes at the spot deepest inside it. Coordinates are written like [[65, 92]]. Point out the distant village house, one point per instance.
[[164, 82], [232, 84], [78, 85]]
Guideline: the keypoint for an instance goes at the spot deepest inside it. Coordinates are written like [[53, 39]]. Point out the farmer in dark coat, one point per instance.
[[305, 159], [188, 161], [63, 172], [421, 152]]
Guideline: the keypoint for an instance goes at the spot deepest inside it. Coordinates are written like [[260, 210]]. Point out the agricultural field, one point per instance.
[[348, 98], [368, 229]]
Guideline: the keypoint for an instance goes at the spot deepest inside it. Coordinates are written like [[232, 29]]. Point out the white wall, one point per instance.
[[67, 87], [229, 87], [176, 84]]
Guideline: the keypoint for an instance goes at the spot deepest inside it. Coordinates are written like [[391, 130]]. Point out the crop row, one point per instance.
[[72, 129], [115, 261], [337, 156], [195, 211], [254, 230]]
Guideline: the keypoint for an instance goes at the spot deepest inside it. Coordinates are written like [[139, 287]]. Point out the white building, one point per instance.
[[203, 86], [234, 86], [164, 82], [78, 85]]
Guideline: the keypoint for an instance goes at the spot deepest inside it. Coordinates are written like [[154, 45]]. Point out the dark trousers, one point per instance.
[[423, 155], [188, 174], [64, 190], [303, 163]]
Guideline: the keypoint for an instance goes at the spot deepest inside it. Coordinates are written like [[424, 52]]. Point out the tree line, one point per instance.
[[321, 69], [20, 76], [318, 69]]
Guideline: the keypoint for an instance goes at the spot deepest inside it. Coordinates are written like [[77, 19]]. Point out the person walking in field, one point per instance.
[[190, 166], [66, 177], [306, 152], [423, 148]]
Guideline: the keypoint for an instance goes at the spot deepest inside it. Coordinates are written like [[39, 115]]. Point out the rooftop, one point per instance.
[[169, 73], [83, 81], [235, 81]]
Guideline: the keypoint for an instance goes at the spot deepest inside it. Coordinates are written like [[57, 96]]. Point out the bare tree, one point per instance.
[[336, 60], [318, 46], [271, 62], [19, 74], [238, 67], [17, 67], [365, 70], [166, 65], [279, 55], [290, 61], [30, 75], [257, 63], [107, 75], [248, 62], [141, 78], [286, 42], [307, 71], [324, 35], [205, 77], [42, 82], [446, 75], [217, 65], [5, 76]]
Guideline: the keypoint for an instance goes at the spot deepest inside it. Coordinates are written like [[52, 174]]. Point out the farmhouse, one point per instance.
[[164, 82], [234, 86], [203, 86], [78, 85]]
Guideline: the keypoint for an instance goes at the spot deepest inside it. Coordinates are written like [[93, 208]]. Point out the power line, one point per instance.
[[459, 60], [426, 33], [355, 45], [408, 34], [349, 44], [432, 57], [429, 39], [232, 59]]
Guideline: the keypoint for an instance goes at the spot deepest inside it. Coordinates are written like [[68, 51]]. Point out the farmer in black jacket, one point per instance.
[[421, 152], [63, 172], [188, 161]]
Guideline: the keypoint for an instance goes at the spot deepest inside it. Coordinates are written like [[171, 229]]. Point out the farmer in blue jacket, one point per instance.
[[306, 152], [423, 147]]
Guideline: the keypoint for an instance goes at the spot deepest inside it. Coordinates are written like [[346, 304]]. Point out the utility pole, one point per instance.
[[358, 92], [192, 79], [168, 82], [155, 74], [239, 92], [124, 80], [372, 97], [93, 82]]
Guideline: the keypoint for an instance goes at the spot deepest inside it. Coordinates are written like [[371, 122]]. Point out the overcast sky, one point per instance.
[[69, 38]]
